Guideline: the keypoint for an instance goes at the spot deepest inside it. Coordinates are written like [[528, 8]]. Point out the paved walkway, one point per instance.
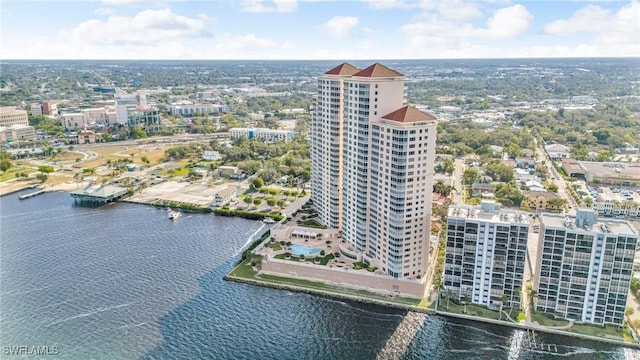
[[295, 205]]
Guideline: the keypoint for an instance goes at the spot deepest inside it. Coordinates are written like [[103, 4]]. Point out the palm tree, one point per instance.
[[449, 294]]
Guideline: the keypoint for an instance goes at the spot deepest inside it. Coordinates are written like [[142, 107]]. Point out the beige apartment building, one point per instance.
[[9, 116], [372, 167]]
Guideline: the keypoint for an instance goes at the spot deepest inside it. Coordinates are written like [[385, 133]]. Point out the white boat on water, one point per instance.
[[174, 214], [268, 220]]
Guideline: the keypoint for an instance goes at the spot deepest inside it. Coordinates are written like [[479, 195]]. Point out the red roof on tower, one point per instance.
[[377, 70], [409, 114], [343, 69]]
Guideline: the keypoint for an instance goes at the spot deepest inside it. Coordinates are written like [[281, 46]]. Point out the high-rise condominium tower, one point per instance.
[[486, 251], [585, 267], [372, 167]]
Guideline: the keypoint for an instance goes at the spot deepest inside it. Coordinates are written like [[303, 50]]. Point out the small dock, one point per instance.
[[29, 195]]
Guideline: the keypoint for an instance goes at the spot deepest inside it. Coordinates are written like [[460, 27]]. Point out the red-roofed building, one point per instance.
[[377, 70], [408, 114], [343, 69], [372, 167]]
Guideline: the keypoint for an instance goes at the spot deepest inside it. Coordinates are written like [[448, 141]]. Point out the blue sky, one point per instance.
[[317, 29]]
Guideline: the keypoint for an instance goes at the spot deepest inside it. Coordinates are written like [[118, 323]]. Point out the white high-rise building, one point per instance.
[[485, 255], [372, 167], [127, 103], [585, 267]]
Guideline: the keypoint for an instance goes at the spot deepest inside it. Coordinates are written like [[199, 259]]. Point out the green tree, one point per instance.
[[499, 172], [138, 133], [106, 137], [5, 165], [257, 182], [45, 169], [469, 176]]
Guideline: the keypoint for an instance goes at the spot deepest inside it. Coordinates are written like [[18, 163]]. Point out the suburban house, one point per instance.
[[557, 151]]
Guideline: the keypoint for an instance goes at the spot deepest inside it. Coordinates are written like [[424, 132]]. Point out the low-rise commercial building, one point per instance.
[[625, 203], [224, 196], [15, 133], [608, 173], [269, 135], [196, 109], [73, 121]]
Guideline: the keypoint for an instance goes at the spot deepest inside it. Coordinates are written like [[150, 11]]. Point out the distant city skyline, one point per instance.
[[318, 29]]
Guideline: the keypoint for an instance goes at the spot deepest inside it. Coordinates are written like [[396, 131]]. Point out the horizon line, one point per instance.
[[368, 59]]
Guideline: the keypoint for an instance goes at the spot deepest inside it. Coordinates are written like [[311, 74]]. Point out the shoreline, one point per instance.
[[429, 311], [380, 302]]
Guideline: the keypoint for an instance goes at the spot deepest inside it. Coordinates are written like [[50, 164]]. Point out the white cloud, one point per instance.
[[621, 27], [127, 2], [446, 33], [148, 26], [104, 11], [279, 6], [390, 4], [505, 23], [458, 10], [590, 18], [613, 33], [340, 26]]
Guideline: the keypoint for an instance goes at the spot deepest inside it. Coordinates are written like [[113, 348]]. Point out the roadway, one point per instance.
[[555, 177], [458, 193]]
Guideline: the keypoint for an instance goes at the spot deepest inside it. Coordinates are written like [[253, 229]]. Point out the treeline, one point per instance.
[[466, 137], [252, 215], [610, 125]]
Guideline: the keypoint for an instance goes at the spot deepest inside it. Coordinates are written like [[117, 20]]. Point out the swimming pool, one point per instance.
[[301, 250]]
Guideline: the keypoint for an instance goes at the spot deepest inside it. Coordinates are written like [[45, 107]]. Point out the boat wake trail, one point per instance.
[[99, 310]]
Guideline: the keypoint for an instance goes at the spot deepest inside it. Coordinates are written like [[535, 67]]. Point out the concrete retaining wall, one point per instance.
[[361, 279]]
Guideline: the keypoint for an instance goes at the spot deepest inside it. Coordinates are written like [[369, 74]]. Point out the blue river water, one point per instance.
[[123, 282]]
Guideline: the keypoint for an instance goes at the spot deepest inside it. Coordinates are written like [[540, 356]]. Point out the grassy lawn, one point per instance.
[[67, 156], [594, 330], [323, 260], [107, 150], [100, 161], [312, 223], [275, 245], [472, 310], [542, 319], [154, 156], [245, 271], [11, 173]]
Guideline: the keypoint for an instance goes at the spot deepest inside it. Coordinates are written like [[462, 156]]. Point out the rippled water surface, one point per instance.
[[123, 281]]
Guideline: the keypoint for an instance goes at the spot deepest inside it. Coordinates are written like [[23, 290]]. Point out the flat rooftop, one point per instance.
[[603, 169], [606, 194], [471, 212], [100, 191], [607, 225]]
